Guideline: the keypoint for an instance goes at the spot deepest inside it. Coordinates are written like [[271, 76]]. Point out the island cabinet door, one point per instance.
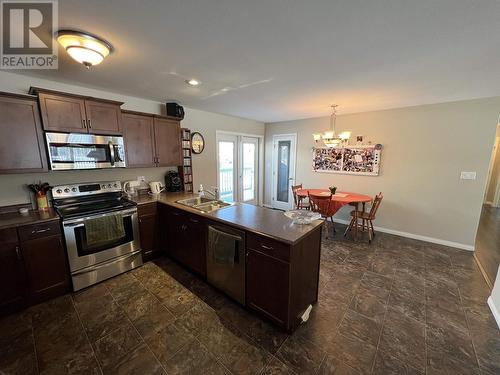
[[13, 283], [196, 243], [148, 228], [176, 235], [268, 286]]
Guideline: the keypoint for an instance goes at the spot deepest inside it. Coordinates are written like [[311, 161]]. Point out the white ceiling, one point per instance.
[[274, 60]]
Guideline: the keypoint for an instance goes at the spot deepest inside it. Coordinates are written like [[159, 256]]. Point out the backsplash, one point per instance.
[[13, 188]]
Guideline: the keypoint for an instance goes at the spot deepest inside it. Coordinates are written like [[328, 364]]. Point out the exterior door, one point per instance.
[[238, 168], [284, 153]]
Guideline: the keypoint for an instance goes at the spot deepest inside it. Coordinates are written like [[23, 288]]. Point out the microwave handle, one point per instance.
[[112, 153]]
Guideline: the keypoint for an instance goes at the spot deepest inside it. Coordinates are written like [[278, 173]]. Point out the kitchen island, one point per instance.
[[280, 262]]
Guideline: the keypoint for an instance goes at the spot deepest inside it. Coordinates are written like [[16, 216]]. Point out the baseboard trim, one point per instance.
[[483, 272], [494, 311], [417, 237]]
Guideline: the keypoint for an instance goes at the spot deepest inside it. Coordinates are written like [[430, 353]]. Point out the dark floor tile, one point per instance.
[[301, 356], [440, 318], [194, 358], [139, 361], [369, 305], [90, 293], [140, 305], [487, 348], [266, 335], [371, 279], [333, 366], [358, 326], [408, 306], [276, 367], [196, 318], [404, 338], [383, 265], [439, 363], [353, 352], [17, 349], [178, 300], [385, 364], [168, 341], [452, 342], [154, 320], [480, 319], [114, 347]]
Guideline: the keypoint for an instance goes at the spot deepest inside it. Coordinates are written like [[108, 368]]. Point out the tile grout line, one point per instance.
[[85, 333], [34, 344], [425, 319]]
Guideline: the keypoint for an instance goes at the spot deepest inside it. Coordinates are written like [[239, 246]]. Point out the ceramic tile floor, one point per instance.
[[397, 306]]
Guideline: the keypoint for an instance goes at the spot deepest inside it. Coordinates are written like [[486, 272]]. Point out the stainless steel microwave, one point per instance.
[[85, 151]]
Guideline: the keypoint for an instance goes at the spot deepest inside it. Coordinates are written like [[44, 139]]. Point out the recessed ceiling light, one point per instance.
[[87, 49], [192, 82]]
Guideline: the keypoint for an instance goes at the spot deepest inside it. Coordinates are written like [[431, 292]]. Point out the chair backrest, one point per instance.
[[376, 203], [320, 203], [294, 192]]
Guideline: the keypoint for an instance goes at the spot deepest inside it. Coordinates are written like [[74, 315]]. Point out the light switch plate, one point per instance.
[[467, 175]]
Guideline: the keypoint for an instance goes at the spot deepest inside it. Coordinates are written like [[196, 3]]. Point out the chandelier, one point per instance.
[[330, 138]]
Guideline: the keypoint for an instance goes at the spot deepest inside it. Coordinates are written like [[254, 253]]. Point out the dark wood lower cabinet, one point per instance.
[[268, 285], [13, 282], [46, 267], [149, 230]]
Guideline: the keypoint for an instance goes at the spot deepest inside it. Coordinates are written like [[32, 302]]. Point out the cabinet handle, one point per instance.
[[194, 220], [157, 160], [84, 125], [18, 253], [266, 247], [40, 230], [184, 227], [90, 124]]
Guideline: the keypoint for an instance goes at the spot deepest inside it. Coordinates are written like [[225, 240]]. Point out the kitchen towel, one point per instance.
[[104, 229], [222, 245]]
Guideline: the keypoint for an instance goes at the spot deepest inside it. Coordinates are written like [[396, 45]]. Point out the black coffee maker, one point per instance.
[[173, 181]]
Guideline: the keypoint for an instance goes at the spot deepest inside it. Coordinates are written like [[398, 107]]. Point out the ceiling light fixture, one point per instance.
[[87, 49], [330, 138], [193, 82]]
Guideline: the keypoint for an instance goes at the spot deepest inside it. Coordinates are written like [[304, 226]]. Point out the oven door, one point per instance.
[[84, 151], [83, 253]]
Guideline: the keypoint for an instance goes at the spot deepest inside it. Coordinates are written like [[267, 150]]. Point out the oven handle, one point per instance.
[[93, 268], [74, 222], [112, 153]]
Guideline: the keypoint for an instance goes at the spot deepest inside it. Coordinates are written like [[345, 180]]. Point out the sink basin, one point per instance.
[[203, 204], [195, 201]]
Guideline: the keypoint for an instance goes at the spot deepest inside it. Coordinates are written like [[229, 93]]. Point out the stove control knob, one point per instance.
[[115, 185], [103, 187], [110, 186], [58, 191], [74, 190], [66, 190]]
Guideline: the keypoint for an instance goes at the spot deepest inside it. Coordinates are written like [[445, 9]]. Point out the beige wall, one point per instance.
[[13, 191], [495, 173], [425, 148]]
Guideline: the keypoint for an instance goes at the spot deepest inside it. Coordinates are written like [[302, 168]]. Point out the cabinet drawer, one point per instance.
[[30, 232], [8, 236], [268, 246], [146, 209]]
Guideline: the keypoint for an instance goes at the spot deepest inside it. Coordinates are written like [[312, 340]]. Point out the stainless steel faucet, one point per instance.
[[214, 193]]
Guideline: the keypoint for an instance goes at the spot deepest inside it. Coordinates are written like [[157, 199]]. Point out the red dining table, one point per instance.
[[340, 199]]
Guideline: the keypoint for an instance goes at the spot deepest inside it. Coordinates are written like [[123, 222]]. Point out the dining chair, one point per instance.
[[300, 203], [322, 204], [366, 218]]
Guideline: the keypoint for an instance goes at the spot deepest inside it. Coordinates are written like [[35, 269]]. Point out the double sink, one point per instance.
[[203, 204]]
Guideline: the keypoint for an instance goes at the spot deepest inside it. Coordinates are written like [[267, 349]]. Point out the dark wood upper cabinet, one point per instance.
[[63, 113], [151, 141], [13, 283], [102, 117], [167, 142], [139, 140], [22, 148], [72, 113], [45, 261]]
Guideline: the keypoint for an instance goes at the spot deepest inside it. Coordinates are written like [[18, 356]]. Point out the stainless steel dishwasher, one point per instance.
[[226, 260]]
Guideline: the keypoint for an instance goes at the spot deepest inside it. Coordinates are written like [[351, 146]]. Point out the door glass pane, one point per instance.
[[283, 171], [248, 171], [226, 170]]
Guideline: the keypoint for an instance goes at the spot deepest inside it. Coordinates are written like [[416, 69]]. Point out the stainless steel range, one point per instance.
[[101, 231]]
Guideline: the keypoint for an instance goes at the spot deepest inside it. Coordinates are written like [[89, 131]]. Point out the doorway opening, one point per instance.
[[239, 168], [284, 160], [487, 249]]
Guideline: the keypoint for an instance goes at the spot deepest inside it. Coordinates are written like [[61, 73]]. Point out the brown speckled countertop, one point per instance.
[[260, 220], [15, 219]]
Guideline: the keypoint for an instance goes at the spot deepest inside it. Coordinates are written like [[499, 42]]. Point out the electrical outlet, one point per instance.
[[467, 175]]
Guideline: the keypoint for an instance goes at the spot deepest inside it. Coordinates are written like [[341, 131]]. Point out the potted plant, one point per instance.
[[40, 191], [333, 189]]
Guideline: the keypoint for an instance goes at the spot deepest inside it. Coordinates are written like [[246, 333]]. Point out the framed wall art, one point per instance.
[[358, 160]]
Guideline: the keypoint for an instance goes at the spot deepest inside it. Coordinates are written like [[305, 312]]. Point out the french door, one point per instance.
[[284, 153], [238, 168]]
